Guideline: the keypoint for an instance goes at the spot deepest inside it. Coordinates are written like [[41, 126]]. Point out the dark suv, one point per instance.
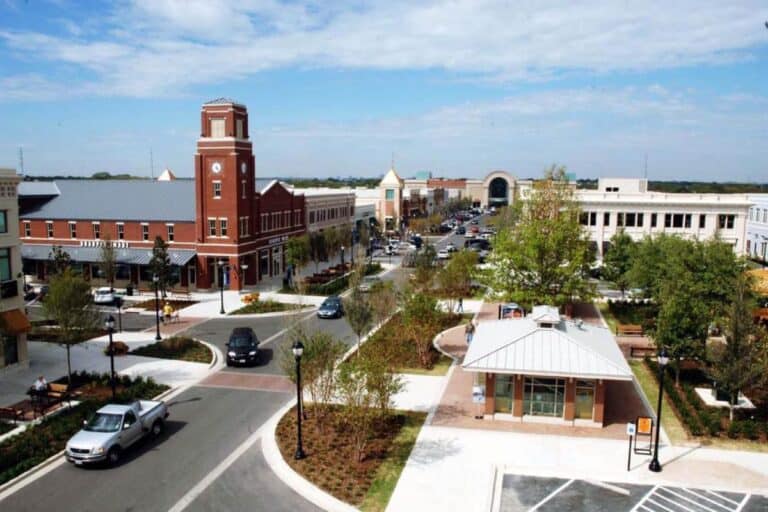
[[242, 347]]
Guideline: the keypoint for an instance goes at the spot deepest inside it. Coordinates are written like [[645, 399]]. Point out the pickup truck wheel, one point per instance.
[[113, 455], [157, 428]]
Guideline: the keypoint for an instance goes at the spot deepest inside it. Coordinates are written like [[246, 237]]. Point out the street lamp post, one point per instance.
[[342, 255], [156, 282], [110, 324], [298, 349], [663, 359], [119, 305], [221, 285]]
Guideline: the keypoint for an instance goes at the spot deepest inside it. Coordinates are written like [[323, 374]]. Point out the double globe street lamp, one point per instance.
[[298, 350], [110, 325], [663, 360]]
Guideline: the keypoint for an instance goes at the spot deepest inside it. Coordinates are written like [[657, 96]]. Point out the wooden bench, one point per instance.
[[641, 351], [629, 330], [10, 413], [57, 393]]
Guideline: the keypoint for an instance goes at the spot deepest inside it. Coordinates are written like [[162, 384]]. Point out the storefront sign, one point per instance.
[[277, 240]]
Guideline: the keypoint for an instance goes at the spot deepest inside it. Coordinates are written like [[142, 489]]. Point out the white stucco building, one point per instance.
[[626, 203], [757, 228]]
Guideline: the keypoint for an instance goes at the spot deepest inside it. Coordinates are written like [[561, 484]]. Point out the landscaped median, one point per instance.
[[333, 461], [178, 347], [41, 441]]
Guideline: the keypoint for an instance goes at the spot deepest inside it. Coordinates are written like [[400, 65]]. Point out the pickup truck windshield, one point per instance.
[[101, 422]]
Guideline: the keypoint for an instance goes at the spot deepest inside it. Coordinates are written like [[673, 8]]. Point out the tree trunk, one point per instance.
[[677, 371], [730, 412], [69, 369]]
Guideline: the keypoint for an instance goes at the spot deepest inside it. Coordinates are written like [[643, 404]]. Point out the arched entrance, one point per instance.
[[498, 192]]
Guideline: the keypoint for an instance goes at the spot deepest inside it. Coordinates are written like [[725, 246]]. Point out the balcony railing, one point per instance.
[[9, 289]]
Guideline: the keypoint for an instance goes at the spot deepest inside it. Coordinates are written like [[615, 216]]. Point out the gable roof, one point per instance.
[[391, 178], [139, 200], [548, 314], [519, 346]]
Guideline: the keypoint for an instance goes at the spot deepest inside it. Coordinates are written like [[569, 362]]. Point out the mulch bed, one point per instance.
[[179, 348], [149, 305], [263, 306], [330, 462]]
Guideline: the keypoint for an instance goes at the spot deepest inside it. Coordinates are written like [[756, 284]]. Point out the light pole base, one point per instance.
[[158, 338], [655, 466], [299, 454]]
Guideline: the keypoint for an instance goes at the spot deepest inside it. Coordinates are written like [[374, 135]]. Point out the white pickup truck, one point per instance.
[[113, 429]]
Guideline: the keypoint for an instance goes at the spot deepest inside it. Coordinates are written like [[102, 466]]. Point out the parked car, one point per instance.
[[450, 247], [369, 282], [443, 254], [242, 347], [461, 230], [391, 250], [331, 307], [115, 428], [103, 295]]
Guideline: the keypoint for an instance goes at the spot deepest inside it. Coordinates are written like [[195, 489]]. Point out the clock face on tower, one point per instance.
[[216, 167], [243, 168]]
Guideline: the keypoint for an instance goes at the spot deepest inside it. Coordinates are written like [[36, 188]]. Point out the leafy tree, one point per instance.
[[358, 311], [541, 252], [332, 241], [322, 351], [424, 263], [420, 315], [317, 250], [59, 260], [108, 261], [298, 253], [455, 278], [383, 300], [380, 379], [358, 414], [617, 262], [344, 236], [160, 264], [738, 364], [68, 303]]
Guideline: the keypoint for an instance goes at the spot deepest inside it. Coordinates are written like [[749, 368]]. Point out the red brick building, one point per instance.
[[218, 220]]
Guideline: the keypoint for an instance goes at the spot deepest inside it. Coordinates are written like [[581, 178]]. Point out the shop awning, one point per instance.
[[14, 322], [128, 256]]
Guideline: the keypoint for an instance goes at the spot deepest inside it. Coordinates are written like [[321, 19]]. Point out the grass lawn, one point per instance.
[[331, 461], [178, 347], [609, 318], [388, 474], [439, 369], [675, 430], [263, 306]]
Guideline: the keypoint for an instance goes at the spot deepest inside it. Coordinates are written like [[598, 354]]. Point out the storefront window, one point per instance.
[[544, 397], [585, 399], [504, 393], [5, 264]]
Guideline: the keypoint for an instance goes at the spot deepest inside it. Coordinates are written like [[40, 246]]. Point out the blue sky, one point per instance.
[[335, 88]]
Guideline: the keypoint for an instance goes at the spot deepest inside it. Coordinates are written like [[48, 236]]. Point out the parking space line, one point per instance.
[[610, 487], [660, 505], [695, 503], [701, 496], [644, 499], [743, 503], [673, 502], [724, 498], [551, 495]]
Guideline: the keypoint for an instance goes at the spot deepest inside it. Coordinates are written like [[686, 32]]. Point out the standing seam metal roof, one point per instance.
[[138, 200]]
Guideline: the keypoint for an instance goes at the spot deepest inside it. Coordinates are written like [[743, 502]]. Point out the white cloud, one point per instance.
[[162, 47]]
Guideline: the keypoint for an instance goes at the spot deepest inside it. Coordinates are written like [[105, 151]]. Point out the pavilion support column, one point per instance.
[[599, 401], [490, 396], [569, 412], [517, 406]]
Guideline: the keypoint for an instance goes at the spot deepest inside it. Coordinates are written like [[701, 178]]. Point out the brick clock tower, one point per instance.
[[240, 233]]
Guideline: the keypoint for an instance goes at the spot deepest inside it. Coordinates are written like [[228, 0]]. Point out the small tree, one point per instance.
[[298, 253], [420, 316], [108, 261], [332, 242], [358, 415], [383, 300], [160, 264], [455, 278], [424, 262], [358, 311], [68, 303], [59, 260], [617, 262], [317, 250], [737, 364]]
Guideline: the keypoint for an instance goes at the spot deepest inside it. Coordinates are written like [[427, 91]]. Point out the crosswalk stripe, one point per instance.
[[701, 496], [694, 503]]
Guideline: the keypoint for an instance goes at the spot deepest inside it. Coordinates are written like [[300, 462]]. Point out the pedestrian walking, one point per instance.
[[469, 332], [460, 306]]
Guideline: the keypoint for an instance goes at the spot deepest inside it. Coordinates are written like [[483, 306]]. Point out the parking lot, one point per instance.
[[528, 493]]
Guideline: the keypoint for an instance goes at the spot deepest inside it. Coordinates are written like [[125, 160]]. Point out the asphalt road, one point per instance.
[[205, 426], [130, 321]]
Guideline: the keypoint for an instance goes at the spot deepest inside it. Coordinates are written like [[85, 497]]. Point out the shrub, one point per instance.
[[118, 347], [750, 430], [734, 429], [251, 298]]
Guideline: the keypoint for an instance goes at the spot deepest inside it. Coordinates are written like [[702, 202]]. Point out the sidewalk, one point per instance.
[[50, 360]]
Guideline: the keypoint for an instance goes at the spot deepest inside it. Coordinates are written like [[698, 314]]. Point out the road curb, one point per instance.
[[291, 478], [274, 313]]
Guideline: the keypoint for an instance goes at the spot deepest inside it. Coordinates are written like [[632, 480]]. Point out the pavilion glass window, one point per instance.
[[504, 393], [544, 397]]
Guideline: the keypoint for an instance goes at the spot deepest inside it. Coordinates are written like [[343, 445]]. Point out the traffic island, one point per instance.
[[178, 347], [361, 474]]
